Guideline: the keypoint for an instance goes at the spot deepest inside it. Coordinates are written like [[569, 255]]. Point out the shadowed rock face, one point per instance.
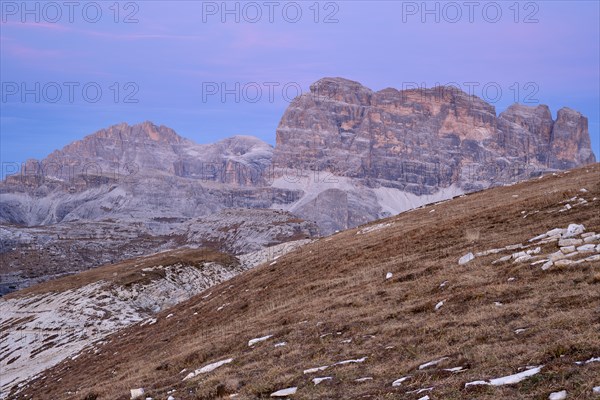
[[114, 149], [344, 155], [526, 132], [570, 140], [149, 150]]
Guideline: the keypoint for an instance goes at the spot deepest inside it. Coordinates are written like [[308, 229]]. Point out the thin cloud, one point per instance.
[[27, 53], [37, 25]]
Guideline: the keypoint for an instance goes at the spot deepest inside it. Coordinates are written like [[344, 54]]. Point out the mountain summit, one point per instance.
[[148, 148]]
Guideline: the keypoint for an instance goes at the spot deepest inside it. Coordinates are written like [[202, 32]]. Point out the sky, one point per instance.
[[211, 70]]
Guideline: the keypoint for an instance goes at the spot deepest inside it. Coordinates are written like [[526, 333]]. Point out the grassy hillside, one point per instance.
[[330, 302], [129, 271]]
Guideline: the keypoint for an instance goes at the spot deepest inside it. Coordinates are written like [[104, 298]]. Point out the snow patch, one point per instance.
[[252, 342], [419, 391], [591, 360], [454, 370], [356, 361], [466, 258], [316, 369], [316, 381], [509, 379], [432, 363], [284, 392], [398, 382], [562, 395], [207, 368], [373, 228]]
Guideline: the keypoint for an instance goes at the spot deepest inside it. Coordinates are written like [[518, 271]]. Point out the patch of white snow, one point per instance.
[[252, 342], [316, 381], [466, 258], [398, 382], [432, 363], [562, 395], [208, 368], [284, 392], [509, 379]]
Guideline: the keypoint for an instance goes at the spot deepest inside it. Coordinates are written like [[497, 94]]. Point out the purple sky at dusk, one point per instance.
[[176, 50]]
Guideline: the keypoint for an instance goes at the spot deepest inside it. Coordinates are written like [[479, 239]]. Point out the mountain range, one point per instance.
[[344, 156]]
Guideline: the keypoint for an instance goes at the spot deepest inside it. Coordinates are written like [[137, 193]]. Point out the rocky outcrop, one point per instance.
[[526, 132], [30, 255], [570, 145], [67, 319]]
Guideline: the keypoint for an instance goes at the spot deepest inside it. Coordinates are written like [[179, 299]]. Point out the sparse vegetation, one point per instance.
[[129, 272], [333, 290]]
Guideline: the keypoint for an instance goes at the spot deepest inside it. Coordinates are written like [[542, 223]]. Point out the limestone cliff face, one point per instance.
[[526, 133], [570, 145], [149, 150], [146, 145], [422, 140], [239, 160]]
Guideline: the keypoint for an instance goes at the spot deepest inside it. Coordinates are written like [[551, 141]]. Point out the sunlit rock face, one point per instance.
[[422, 140]]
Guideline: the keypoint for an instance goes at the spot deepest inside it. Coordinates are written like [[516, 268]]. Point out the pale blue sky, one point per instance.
[[177, 50]]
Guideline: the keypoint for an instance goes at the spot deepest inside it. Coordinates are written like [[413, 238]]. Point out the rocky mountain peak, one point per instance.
[[524, 110], [118, 148], [535, 121], [567, 113], [240, 145], [116, 140], [145, 131], [340, 89], [570, 139]]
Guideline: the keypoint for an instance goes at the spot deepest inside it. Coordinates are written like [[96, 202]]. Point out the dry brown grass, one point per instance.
[[337, 285], [130, 271]]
